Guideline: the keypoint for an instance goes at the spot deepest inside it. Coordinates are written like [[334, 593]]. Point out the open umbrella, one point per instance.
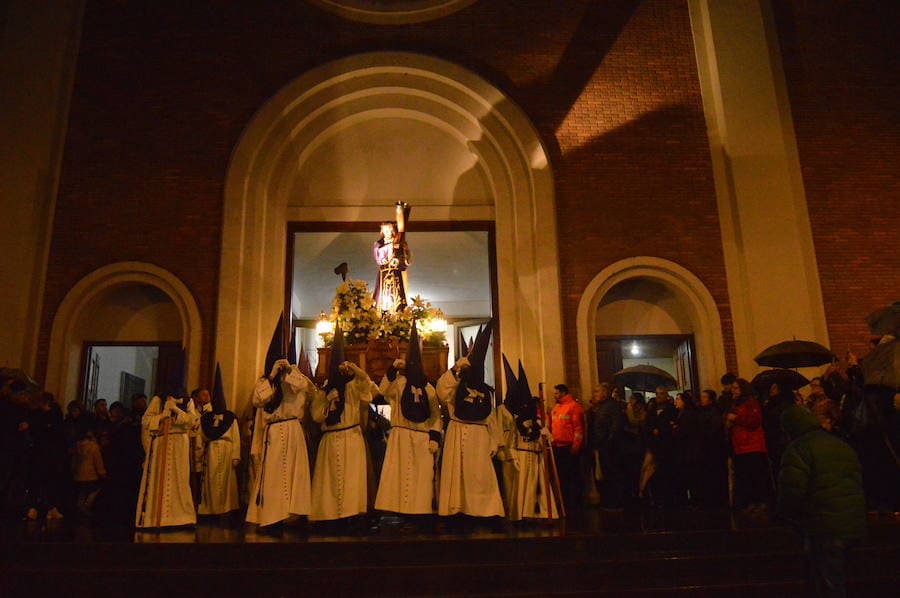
[[787, 380], [795, 354], [881, 367], [644, 377], [885, 320]]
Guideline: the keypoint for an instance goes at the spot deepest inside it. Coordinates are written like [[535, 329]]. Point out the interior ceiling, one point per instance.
[[449, 268]]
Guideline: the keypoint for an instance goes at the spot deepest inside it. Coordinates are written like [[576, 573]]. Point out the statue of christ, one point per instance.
[[393, 258]]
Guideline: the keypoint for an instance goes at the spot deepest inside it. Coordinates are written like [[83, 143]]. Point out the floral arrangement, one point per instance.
[[354, 305], [362, 321]]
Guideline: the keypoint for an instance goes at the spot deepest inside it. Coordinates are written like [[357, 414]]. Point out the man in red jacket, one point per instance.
[[567, 427]]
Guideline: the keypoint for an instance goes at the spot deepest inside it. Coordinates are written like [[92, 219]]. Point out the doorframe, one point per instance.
[[425, 226], [689, 336], [86, 345]]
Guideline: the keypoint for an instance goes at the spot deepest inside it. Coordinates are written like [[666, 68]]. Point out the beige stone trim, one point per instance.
[[394, 12], [260, 195], [696, 299], [770, 260], [64, 358]]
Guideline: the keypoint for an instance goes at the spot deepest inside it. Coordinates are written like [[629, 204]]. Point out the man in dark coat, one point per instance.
[[661, 416], [820, 490], [606, 420]]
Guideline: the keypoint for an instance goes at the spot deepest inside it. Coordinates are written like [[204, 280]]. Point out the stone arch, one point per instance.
[[395, 12], [262, 192], [81, 301], [693, 295]]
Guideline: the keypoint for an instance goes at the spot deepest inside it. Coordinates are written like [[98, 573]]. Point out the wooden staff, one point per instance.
[[161, 470]]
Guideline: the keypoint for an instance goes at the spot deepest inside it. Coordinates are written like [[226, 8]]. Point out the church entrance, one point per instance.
[[672, 353], [117, 371], [452, 272], [345, 141]]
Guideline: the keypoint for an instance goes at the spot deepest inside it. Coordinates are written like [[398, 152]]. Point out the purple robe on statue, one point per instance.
[[390, 286]]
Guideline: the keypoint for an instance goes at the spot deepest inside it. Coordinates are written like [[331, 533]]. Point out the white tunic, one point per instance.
[[407, 476], [468, 482], [219, 491], [506, 424], [339, 487], [534, 497], [164, 498], [524, 473], [281, 485]]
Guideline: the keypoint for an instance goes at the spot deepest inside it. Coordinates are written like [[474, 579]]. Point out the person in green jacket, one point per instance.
[[820, 490]]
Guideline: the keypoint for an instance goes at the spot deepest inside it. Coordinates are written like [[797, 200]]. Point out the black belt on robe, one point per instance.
[[262, 473], [340, 429], [462, 421]]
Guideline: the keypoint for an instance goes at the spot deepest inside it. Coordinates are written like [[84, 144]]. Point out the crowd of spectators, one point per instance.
[[712, 450], [724, 448], [78, 465]]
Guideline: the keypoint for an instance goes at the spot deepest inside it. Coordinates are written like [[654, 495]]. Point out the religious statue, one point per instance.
[[393, 258]]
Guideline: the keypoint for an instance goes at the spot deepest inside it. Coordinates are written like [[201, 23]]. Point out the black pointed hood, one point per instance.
[[216, 422], [276, 346], [176, 382], [513, 398], [336, 380], [473, 397], [461, 343], [275, 352], [304, 364], [414, 400], [292, 349], [527, 420]]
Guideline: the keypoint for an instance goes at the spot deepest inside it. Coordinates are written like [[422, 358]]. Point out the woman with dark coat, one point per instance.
[[752, 477], [687, 449], [712, 460]]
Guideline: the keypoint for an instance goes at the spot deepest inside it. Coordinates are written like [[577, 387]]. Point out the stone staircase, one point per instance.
[[718, 562]]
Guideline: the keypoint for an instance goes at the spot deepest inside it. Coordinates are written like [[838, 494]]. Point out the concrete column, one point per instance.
[[38, 54], [773, 277]]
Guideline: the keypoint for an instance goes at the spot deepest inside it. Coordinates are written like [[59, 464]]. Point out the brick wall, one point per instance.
[[840, 61], [161, 97]]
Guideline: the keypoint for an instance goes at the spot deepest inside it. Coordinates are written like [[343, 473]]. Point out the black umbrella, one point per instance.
[[644, 377], [881, 367], [787, 380], [795, 354], [885, 320]]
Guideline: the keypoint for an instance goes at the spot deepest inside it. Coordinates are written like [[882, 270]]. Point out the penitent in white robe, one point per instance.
[[534, 498], [407, 476], [281, 483], [339, 486], [219, 491], [164, 498], [506, 424], [468, 481]]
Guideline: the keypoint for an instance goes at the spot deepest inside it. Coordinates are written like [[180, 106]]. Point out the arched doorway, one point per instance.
[[345, 141], [652, 297], [127, 302]]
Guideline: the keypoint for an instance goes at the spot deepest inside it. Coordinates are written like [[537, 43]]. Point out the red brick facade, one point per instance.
[[161, 97], [840, 62]]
